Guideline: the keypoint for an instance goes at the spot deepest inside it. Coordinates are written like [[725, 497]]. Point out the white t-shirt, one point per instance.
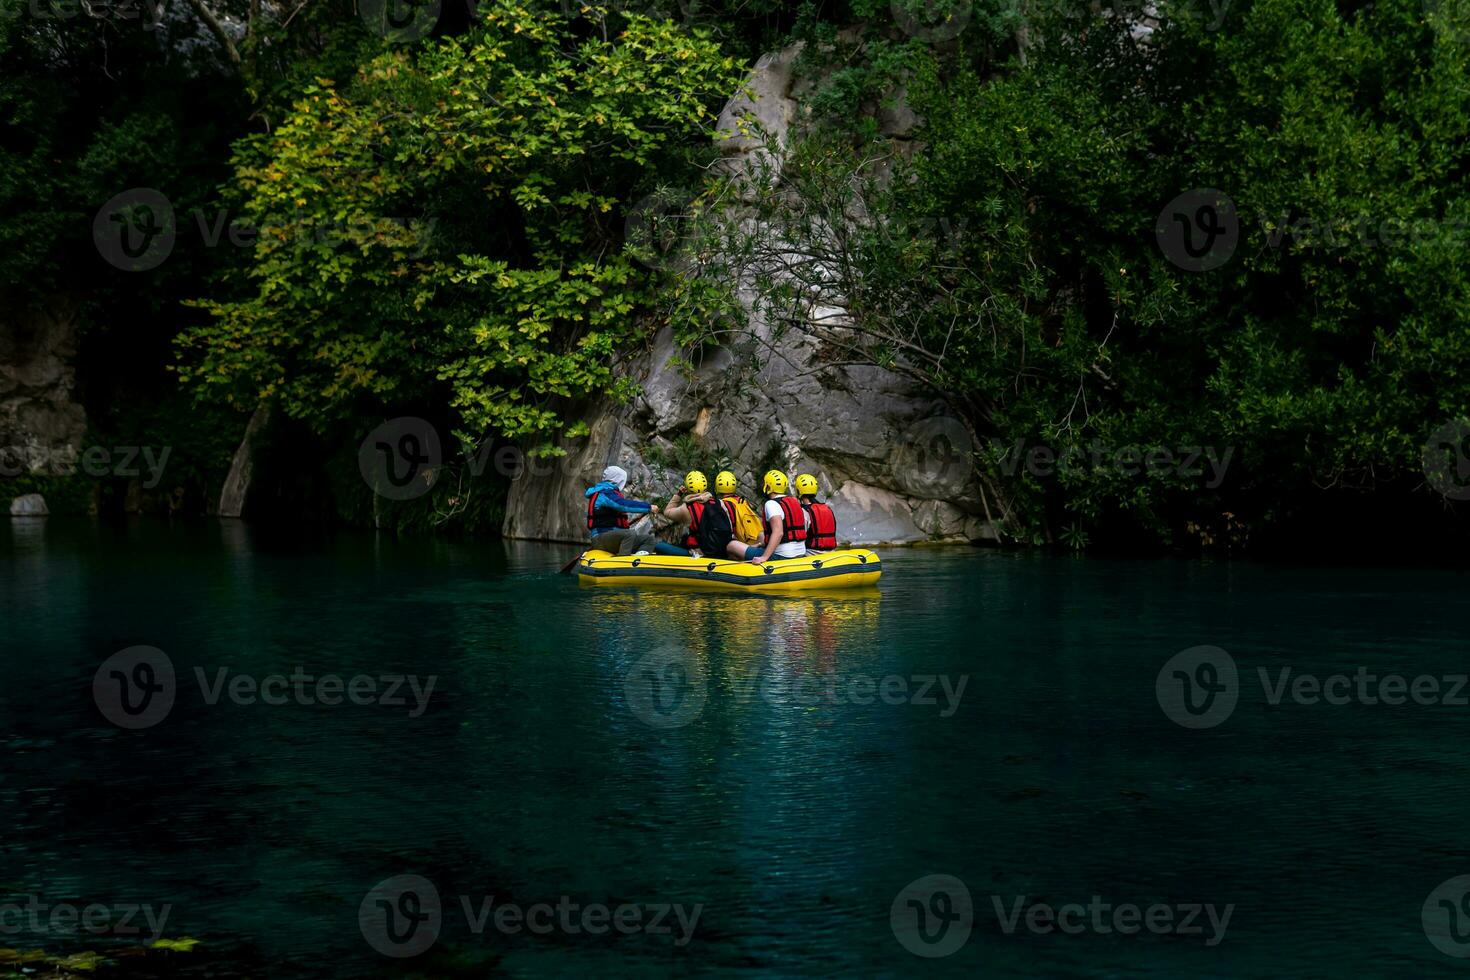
[[786, 549]]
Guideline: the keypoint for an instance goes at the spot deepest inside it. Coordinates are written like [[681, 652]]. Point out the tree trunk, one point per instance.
[[237, 483]]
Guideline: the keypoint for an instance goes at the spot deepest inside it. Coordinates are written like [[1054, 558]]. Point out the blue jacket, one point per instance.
[[616, 502]]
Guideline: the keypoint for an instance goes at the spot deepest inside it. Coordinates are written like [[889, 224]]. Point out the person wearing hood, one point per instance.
[[609, 515]]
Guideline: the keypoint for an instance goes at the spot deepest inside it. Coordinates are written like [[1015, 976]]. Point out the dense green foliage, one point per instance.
[[437, 226], [448, 216], [1011, 264]]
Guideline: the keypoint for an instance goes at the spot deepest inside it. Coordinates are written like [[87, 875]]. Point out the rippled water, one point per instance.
[[789, 766]]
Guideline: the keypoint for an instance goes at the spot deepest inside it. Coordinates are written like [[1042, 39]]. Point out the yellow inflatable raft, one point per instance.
[[844, 569]]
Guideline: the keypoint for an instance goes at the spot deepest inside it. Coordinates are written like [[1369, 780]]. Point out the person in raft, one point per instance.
[[608, 512], [785, 524], [744, 523], [821, 522], [686, 509]]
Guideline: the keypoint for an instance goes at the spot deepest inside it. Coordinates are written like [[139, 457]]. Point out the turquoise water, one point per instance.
[[787, 766]]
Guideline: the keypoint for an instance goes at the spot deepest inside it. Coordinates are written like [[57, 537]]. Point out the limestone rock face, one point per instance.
[[41, 422], [546, 502], [29, 505], [895, 467], [753, 126]]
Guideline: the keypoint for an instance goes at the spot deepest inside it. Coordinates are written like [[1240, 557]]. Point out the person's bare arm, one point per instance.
[[773, 541]]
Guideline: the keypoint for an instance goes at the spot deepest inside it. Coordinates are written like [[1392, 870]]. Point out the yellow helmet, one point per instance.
[[806, 484], [775, 483], [725, 482], [695, 482]]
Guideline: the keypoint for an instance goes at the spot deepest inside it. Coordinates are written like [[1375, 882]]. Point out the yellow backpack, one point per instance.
[[744, 521]]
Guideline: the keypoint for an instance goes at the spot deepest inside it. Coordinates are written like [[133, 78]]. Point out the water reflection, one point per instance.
[[778, 651]]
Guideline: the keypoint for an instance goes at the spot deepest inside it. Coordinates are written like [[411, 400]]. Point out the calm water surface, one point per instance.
[[788, 765]]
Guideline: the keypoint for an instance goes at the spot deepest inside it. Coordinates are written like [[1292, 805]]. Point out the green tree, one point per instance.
[[444, 228]]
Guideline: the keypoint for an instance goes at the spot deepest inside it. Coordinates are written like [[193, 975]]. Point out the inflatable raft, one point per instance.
[[844, 569]]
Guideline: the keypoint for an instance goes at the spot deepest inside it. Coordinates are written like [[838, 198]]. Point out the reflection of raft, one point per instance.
[[844, 569]]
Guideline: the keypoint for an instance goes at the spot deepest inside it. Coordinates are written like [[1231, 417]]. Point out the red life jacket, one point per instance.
[[823, 535], [603, 519], [696, 514], [793, 521]]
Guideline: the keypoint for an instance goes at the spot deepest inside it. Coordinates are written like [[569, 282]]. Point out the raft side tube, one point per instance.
[[844, 568]]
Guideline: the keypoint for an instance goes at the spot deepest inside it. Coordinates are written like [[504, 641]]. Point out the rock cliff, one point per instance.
[[894, 465], [41, 422]]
